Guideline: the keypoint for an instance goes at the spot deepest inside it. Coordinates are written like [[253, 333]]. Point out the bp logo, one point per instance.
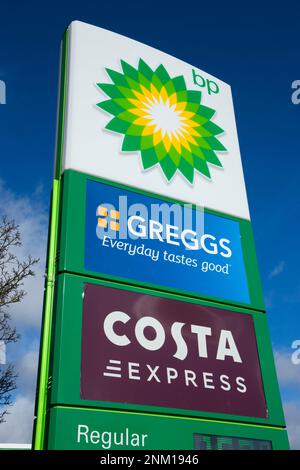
[[162, 119]]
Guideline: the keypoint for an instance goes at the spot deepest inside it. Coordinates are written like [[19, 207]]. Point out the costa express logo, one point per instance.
[[162, 119], [226, 348], [151, 350]]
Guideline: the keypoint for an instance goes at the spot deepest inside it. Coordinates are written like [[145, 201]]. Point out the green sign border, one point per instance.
[[72, 240], [66, 359], [169, 432]]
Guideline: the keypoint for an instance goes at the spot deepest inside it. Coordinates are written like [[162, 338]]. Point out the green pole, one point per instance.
[[45, 344], [42, 389]]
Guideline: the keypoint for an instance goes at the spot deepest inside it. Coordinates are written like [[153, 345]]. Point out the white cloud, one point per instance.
[[17, 427], [289, 376], [292, 416], [19, 423], [2, 352], [26, 369], [32, 217], [278, 269], [288, 373]]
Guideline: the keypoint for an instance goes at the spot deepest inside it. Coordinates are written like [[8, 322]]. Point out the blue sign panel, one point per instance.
[[144, 239]]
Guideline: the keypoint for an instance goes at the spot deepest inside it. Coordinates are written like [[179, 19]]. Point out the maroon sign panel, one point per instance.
[[149, 350]]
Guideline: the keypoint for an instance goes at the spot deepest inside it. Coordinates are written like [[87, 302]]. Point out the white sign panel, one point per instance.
[[140, 117]]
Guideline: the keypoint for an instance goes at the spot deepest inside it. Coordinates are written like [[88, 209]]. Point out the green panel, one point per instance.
[[71, 250], [88, 429], [67, 354]]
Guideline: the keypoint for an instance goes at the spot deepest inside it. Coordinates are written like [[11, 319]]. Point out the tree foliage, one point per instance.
[[13, 272]]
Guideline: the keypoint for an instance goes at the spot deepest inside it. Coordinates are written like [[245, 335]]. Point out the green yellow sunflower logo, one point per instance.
[[162, 119]]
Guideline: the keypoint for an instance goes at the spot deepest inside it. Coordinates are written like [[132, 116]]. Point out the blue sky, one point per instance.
[[253, 47]]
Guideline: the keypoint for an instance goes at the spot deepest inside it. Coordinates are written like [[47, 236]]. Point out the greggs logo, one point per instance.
[[135, 226]]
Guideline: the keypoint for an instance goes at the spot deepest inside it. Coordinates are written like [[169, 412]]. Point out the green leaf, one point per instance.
[[202, 167], [160, 151], [146, 142], [135, 130], [111, 106], [133, 85], [149, 158], [194, 96], [123, 103], [211, 157], [197, 118], [168, 167], [187, 170], [182, 96], [185, 153], [188, 157], [179, 83], [213, 128], [110, 90], [127, 92], [169, 86], [206, 111], [129, 70], [126, 115], [215, 144], [118, 125], [174, 155], [198, 152], [144, 81], [203, 132], [156, 82], [131, 143], [145, 70], [203, 143], [116, 77], [162, 74]]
